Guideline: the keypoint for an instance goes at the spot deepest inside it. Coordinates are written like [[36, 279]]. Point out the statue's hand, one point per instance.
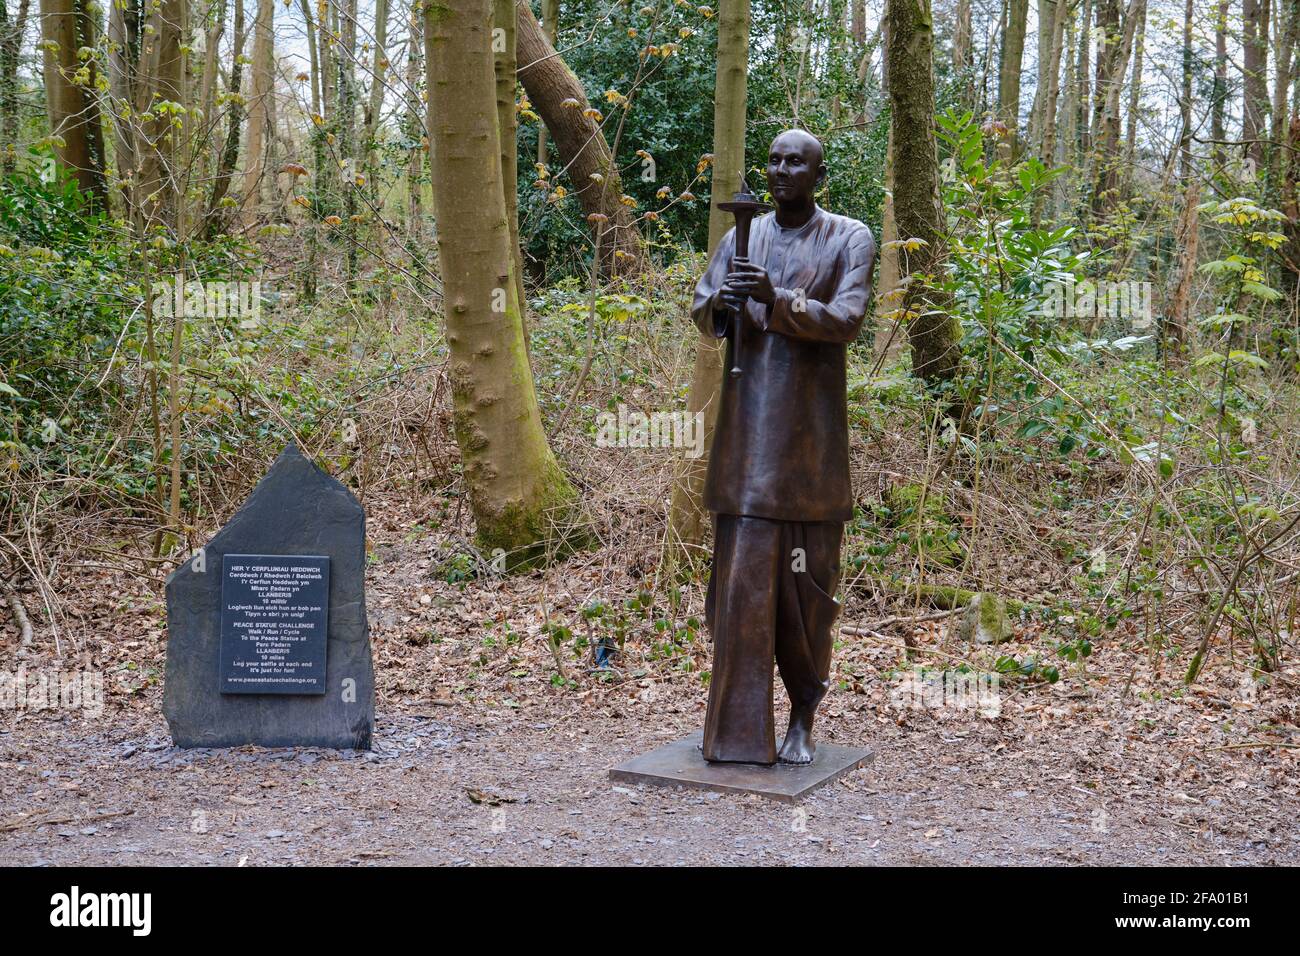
[[751, 280], [729, 299]]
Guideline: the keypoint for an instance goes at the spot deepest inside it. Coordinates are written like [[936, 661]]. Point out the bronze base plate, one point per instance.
[[680, 764]]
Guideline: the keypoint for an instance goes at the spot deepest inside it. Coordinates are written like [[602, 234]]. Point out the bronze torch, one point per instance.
[[744, 206]]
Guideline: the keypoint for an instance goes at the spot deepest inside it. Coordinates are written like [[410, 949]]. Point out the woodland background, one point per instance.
[[475, 225]]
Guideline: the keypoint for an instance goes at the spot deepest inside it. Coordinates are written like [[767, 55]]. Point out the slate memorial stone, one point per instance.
[[273, 619], [267, 636]]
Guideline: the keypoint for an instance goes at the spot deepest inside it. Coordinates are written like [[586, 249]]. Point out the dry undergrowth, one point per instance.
[[1030, 526]]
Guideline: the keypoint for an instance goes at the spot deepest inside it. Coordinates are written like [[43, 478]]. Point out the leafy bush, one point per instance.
[[64, 288]]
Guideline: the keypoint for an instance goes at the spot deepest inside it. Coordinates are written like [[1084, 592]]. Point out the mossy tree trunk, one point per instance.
[[516, 489], [1185, 94], [932, 330], [204, 153], [1289, 252]]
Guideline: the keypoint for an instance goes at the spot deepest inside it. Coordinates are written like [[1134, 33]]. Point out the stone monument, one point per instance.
[[267, 641]]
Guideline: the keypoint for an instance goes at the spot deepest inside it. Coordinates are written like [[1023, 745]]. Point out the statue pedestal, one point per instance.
[[680, 764]]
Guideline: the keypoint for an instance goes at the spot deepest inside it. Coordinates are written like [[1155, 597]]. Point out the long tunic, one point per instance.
[[781, 446]]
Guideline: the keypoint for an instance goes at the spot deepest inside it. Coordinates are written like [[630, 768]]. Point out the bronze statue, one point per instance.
[[778, 478]]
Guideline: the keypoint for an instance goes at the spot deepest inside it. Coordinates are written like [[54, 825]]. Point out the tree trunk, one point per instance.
[[208, 85], [1135, 94], [1051, 92], [1012, 62], [1185, 98], [70, 99], [516, 489], [313, 76], [1289, 252], [1175, 328], [347, 124], [375, 104], [415, 130], [963, 54], [1083, 93], [1047, 17], [580, 142], [316, 136], [1219, 100], [147, 93], [1254, 60], [887, 342], [688, 519], [259, 127], [551, 27], [506, 67], [430, 116], [325, 134], [159, 76], [88, 23], [123, 28], [933, 331], [326, 40], [1108, 25], [1112, 64], [235, 110], [1067, 115], [1285, 34], [11, 37]]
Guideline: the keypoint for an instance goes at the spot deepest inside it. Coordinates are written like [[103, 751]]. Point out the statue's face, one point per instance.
[[794, 167]]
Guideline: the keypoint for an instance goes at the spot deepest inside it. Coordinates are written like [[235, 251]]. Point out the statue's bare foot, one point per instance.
[[798, 746]]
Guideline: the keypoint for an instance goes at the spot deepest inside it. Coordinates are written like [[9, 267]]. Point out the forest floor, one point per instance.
[[481, 757]]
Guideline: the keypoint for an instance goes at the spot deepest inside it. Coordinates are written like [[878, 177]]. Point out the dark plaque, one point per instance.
[[274, 611]]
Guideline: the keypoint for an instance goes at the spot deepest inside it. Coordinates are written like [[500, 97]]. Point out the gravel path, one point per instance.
[[482, 758], [466, 788]]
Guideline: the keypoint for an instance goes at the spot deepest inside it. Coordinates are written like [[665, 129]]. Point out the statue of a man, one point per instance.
[[778, 478]]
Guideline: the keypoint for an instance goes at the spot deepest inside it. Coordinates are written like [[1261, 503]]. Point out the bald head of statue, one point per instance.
[[795, 168]]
